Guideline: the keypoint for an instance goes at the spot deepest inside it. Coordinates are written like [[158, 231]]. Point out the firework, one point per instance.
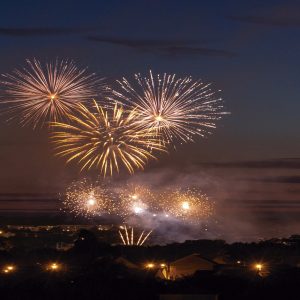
[[105, 139], [85, 199], [48, 92], [174, 108], [189, 205], [137, 200], [128, 239]]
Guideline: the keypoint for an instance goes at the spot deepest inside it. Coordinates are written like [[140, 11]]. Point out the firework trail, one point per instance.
[[145, 238], [132, 241], [85, 199], [105, 140], [122, 238], [141, 235], [174, 108], [47, 92]]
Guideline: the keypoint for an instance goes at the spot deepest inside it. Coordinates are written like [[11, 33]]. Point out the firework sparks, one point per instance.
[[128, 239], [145, 238], [136, 200], [48, 92], [85, 199], [189, 205], [105, 140], [174, 108]]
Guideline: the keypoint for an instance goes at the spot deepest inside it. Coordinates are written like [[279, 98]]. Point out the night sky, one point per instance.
[[250, 50]]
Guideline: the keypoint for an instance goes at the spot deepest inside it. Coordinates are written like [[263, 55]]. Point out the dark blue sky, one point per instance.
[[249, 49]]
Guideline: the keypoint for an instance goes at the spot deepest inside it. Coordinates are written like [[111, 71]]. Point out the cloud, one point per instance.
[[268, 21], [177, 50], [140, 43], [164, 47], [288, 163], [246, 209], [282, 179], [26, 195], [41, 31]]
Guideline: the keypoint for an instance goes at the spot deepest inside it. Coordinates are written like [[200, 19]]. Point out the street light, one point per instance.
[[54, 267], [259, 267], [9, 269]]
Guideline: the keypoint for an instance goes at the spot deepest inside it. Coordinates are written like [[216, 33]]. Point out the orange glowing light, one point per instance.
[[9, 269], [185, 205], [52, 96], [54, 267]]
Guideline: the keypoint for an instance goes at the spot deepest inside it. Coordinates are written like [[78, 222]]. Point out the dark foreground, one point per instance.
[[104, 280], [93, 270]]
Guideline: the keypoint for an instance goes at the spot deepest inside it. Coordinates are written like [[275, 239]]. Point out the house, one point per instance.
[[125, 262], [186, 266], [61, 246]]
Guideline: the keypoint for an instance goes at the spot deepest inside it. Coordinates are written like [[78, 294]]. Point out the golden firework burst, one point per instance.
[[136, 200], [189, 205], [47, 92], [105, 139], [174, 108], [88, 199]]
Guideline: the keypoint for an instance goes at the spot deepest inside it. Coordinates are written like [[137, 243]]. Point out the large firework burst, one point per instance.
[[105, 139], [88, 199], [175, 108], [47, 92], [189, 205]]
